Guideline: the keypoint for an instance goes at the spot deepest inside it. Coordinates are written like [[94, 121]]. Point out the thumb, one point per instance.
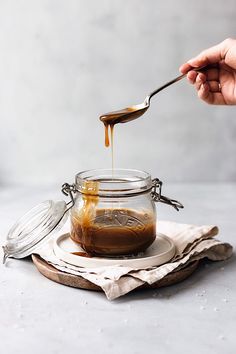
[[211, 55]]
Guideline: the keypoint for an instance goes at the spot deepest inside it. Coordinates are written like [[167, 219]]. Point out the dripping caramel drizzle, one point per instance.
[[112, 149], [109, 140]]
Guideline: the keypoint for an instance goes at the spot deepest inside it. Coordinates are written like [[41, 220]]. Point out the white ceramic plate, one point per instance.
[[160, 252]]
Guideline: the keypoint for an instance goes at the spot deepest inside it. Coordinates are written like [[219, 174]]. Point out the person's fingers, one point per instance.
[[205, 94], [200, 79], [214, 86], [185, 68], [194, 76], [191, 76], [230, 58], [208, 56], [220, 58], [212, 74]]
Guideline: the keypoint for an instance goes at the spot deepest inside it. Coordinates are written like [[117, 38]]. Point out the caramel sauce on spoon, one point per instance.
[[122, 116]]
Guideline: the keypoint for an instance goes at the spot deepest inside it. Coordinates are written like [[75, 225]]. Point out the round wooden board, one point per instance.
[[78, 282]]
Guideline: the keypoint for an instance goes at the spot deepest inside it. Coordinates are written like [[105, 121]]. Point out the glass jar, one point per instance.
[[114, 212]]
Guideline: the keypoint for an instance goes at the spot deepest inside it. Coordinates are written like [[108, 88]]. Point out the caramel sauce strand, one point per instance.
[[107, 141], [88, 211], [112, 148]]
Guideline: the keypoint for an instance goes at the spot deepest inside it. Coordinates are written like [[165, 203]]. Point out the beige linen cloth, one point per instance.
[[192, 243]]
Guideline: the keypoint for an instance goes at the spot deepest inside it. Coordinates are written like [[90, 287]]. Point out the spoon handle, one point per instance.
[[178, 78]]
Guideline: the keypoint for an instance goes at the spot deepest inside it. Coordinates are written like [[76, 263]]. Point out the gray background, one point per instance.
[[63, 63]]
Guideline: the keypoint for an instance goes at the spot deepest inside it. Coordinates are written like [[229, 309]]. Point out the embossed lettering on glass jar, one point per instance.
[[113, 212]]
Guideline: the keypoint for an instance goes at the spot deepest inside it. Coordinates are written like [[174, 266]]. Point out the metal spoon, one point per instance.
[[133, 112]]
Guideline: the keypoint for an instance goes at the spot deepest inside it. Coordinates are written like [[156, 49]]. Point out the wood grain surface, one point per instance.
[[78, 282]]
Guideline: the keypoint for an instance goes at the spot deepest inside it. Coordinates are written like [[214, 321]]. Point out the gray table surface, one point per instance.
[[195, 316]]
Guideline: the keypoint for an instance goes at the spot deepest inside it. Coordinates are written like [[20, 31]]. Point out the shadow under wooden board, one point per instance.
[[78, 282]]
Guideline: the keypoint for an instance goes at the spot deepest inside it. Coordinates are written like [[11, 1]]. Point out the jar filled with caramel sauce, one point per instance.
[[114, 213]]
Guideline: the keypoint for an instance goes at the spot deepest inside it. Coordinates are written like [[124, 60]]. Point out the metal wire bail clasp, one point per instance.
[[68, 190], [158, 197]]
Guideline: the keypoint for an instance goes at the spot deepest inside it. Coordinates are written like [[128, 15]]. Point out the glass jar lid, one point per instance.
[[35, 228]]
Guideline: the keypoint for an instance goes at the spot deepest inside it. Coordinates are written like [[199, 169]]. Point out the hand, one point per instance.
[[216, 85]]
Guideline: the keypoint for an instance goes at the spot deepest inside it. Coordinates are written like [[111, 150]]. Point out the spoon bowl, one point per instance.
[[124, 115]]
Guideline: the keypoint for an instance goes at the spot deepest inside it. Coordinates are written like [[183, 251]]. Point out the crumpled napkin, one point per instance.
[[192, 243]]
